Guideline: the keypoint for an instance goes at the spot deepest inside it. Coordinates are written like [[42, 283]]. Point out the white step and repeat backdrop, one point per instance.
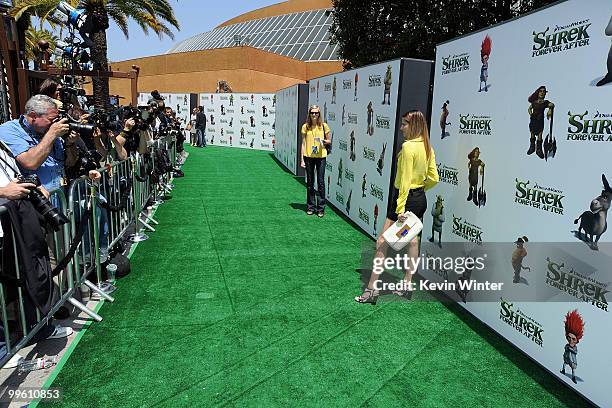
[[361, 108], [362, 122], [240, 120], [534, 77], [291, 107], [180, 103]]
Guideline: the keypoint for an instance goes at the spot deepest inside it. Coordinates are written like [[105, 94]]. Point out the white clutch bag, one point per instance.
[[400, 233]]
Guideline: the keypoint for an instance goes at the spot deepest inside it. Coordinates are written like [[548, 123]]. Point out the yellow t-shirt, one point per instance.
[[414, 171], [313, 141]]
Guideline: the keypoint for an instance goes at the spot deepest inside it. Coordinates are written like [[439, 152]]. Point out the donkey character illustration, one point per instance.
[[593, 222]]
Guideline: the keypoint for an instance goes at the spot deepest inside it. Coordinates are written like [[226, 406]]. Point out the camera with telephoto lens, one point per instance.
[[51, 214]]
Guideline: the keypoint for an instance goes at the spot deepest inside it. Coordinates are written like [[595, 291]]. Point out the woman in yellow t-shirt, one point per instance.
[[315, 138], [416, 173]]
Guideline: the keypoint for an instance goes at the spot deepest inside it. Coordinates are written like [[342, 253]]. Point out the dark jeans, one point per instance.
[[314, 164], [201, 137]]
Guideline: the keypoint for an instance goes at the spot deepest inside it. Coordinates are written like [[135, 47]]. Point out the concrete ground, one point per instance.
[[10, 379]]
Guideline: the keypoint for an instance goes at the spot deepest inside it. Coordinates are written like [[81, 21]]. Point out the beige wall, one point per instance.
[[246, 69]]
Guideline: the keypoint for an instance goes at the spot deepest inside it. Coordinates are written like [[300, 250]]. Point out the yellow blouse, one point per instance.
[[414, 171], [312, 140]]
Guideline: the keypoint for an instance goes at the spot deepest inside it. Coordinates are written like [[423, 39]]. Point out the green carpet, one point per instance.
[[240, 299]]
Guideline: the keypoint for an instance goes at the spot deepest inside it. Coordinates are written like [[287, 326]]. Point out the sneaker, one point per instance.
[[60, 332]]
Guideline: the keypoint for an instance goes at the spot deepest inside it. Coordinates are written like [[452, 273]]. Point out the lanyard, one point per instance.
[[33, 135], [9, 154]]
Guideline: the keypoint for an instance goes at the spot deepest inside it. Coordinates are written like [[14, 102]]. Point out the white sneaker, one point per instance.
[[60, 332]]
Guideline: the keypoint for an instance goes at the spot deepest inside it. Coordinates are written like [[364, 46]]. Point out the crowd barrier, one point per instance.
[[115, 208]]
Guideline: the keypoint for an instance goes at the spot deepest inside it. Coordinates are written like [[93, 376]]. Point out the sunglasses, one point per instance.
[[315, 113]]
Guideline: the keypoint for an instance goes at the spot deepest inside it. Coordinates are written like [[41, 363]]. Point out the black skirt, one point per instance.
[[416, 203]]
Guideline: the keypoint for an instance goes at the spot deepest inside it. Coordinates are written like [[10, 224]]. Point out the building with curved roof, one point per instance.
[[260, 51]]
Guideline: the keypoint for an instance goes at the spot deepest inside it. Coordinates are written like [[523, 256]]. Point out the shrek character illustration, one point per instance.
[[518, 255], [264, 111], [387, 82], [212, 119], [343, 114], [231, 122], [231, 100], [252, 118], [539, 104], [474, 164], [252, 141], [363, 186], [574, 330], [443, 119], [375, 217], [381, 159], [263, 134], [340, 173], [356, 80], [608, 78], [333, 99], [485, 54], [242, 133], [222, 109], [370, 130], [437, 212], [274, 101], [348, 202], [352, 154]]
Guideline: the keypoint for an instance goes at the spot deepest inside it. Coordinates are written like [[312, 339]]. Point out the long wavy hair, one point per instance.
[[534, 96], [309, 122], [417, 127]]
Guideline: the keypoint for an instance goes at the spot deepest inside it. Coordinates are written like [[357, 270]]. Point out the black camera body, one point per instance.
[[51, 214]]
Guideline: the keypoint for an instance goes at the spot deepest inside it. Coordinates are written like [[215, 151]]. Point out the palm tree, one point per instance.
[[154, 15]]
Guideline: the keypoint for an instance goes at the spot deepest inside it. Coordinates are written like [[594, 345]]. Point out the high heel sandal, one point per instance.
[[368, 296], [404, 294]]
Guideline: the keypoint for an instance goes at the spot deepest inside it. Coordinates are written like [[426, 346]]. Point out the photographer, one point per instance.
[[36, 141], [11, 190]]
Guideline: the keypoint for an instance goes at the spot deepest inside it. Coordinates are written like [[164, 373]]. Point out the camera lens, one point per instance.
[[52, 215]]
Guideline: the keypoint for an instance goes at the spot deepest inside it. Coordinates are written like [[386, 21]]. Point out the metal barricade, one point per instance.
[[103, 213], [15, 302]]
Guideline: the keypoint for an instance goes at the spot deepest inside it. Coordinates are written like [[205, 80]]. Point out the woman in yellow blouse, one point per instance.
[[315, 137], [416, 173]]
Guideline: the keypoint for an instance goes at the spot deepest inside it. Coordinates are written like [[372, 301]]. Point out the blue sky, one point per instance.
[[193, 16]]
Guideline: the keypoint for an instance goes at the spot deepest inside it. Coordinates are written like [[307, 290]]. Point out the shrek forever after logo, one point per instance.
[[577, 285], [455, 63], [448, 175], [521, 322], [585, 127], [475, 124], [561, 38], [467, 231], [543, 198]]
